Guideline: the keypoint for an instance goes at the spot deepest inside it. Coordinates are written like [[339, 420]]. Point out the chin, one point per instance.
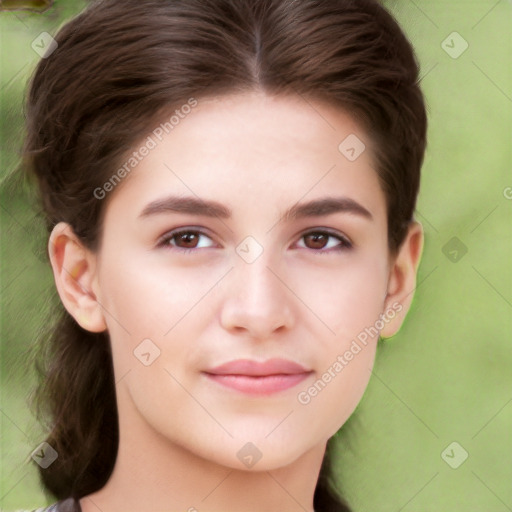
[[254, 454]]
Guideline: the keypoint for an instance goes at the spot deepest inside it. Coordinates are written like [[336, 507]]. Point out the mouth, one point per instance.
[[255, 378]]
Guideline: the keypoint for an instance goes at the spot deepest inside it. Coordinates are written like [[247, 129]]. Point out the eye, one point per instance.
[[184, 240], [319, 241], [188, 240]]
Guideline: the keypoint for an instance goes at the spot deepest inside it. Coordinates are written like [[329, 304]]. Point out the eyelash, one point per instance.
[[345, 243]]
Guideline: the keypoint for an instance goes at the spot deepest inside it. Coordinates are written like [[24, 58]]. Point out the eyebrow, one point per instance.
[[196, 206]]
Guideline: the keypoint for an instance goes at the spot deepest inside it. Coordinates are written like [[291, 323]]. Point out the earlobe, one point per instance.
[[74, 268], [402, 279]]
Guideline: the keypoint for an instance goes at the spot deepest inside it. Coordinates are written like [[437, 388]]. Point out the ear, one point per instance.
[[402, 279], [74, 272]]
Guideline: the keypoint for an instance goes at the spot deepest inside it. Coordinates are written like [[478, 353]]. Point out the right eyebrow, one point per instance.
[[190, 205]]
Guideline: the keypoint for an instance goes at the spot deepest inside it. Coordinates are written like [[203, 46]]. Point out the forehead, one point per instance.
[[254, 147]]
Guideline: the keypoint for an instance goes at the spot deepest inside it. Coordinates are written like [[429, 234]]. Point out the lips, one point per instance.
[[257, 378], [256, 369]]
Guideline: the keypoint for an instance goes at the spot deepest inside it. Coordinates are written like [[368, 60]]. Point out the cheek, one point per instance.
[[334, 394], [345, 297], [151, 296], [143, 300], [349, 302]]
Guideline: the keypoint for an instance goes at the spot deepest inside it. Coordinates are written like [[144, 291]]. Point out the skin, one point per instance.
[[301, 299]]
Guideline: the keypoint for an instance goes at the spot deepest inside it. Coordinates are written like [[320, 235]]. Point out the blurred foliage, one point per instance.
[[34, 5]]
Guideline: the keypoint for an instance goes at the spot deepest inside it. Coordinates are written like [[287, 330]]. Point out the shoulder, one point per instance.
[[51, 508], [68, 505]]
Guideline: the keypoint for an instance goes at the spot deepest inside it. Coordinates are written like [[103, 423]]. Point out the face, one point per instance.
[[290, 262]]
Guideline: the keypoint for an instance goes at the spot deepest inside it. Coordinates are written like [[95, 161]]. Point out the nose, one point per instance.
[[258, 301]]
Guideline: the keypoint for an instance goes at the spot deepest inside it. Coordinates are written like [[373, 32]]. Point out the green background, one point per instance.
[[445, 377]]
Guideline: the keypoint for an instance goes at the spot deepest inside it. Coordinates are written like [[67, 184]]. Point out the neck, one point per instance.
[[154, 474]]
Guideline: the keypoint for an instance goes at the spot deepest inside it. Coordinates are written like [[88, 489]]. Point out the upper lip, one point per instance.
[[255, 368]]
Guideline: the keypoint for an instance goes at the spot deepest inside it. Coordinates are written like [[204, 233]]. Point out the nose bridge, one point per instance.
[[258, 300], [257, 280]]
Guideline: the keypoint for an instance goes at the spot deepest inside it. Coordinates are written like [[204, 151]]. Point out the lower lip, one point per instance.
[[265, 385]]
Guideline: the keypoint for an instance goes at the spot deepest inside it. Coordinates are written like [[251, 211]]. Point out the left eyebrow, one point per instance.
[[197, 206], [326, 206]]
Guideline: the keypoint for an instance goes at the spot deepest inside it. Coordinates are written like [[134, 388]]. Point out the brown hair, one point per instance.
[[118, 68]]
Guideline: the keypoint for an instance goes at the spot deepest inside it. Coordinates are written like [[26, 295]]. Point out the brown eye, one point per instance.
[[317, 240], [188, 238], [324, 241], [184, 240]]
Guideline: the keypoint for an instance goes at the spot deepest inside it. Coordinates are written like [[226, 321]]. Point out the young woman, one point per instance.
[[229, 187]]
